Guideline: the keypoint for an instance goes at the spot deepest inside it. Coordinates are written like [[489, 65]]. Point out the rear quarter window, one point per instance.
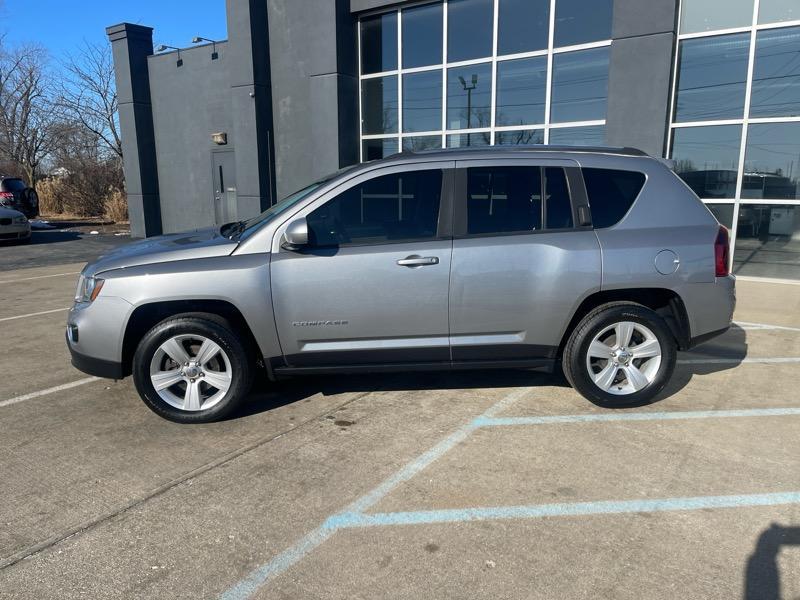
[[611, 194], [12, 185]]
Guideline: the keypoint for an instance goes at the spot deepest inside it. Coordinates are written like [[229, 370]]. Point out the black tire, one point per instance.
[[577, 347], [208, 326]]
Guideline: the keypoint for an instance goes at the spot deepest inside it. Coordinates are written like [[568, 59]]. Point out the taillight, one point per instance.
[[4, 196], [722, 252]]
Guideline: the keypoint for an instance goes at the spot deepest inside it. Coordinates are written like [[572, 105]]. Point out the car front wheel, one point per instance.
[[192, 369], [620, 354]]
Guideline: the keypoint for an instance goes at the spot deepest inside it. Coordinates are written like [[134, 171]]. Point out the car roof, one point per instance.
[[492, 151]]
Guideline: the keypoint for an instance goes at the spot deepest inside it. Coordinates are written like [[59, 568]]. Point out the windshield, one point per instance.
[[248, 227]]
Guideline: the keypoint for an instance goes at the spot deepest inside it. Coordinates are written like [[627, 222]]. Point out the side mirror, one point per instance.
[[296, 235]]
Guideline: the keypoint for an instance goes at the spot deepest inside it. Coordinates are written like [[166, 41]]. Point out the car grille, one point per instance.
[[5, 221]]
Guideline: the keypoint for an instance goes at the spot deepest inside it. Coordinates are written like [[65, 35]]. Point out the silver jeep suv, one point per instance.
[[599, 259]]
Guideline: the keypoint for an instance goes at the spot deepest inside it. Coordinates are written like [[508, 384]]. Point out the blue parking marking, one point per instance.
[[353, 516], [460, 515], [484, 421]]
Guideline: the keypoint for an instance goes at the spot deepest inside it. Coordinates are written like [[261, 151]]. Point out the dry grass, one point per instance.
[[116, 206]]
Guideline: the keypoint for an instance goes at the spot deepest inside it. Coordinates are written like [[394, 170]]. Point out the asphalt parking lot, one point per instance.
[[466, 485]]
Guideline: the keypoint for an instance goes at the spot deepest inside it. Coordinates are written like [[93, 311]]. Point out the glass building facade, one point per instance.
[[506, 72], [482, 72], [735, 129]]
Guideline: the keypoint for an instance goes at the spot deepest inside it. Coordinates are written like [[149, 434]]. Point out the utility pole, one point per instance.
[[468, 89]]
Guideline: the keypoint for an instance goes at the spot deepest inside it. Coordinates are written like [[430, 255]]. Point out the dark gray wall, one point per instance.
[[131, 45], [314, 89], [251, 104], [189, 104], [640, 74]]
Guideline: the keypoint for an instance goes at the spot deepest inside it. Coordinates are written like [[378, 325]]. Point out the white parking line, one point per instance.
[[736, 361], [754, 326], [36, 314], [52, 390], [39, 277]]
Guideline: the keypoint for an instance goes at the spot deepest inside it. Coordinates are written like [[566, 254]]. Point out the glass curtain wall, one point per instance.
[[459, 73], [735, 132]]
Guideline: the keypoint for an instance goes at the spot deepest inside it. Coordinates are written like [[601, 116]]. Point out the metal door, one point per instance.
[[224, 175]]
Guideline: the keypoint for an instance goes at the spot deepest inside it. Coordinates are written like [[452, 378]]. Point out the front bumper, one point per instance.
[[15, 232], [94, 366]]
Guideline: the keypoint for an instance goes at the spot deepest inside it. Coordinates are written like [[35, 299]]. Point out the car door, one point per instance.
[[524, 257], [372, 284]]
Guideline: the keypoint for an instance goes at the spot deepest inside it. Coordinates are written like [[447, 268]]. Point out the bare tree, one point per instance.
[[28, 116], [89, 94]]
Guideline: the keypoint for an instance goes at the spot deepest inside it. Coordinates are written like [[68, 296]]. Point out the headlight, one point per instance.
[[88, 289], [20, 220]]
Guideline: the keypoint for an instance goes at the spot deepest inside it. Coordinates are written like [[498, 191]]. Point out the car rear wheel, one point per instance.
[[620, 354], [191, 369]]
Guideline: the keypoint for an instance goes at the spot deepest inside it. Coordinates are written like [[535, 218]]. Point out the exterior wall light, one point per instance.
[[197, 39], [163, 47], [219, 138]]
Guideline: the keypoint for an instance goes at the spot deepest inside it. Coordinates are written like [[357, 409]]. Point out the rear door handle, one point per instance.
[[418, 261]]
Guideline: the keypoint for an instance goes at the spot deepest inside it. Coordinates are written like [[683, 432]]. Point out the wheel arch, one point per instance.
[[146, 316], [667, 303]]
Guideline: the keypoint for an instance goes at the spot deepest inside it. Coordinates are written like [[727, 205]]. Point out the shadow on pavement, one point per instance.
[[762, 579], [731, 347]]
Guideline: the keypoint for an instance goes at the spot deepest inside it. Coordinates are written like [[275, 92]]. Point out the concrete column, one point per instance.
[[640, 74], [315, 89], [251, 105], [131, 45]]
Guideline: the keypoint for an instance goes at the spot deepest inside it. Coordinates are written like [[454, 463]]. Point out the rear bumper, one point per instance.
[[95, 366]]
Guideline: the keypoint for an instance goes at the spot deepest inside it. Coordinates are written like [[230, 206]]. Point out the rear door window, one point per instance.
[[517, 200], [386, 209], [611, 194]]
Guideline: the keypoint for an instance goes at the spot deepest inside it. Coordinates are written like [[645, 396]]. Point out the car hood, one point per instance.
[[9, 213], [202, 243]]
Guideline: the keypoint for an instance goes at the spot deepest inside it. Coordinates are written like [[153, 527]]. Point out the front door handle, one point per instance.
[[418, 261]]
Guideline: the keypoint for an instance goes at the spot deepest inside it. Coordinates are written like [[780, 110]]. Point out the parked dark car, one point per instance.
[[16, 195]]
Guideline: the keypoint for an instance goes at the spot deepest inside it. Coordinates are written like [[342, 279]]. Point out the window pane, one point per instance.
[[379, 105], [422, 101], [422, 28], [403, 206], [558, 209], [723, 213], [768, 241], [379, 43], [469, 29], [578, 136], [519, 138], [776, 75], [422, 142], [467, 140], [523, 26], [772, 11], [772, 161], [711, 78], [707, 159], [580, 22], [705, 15], [504, 199], [580, 86], [521, 86], [375, 149], [469, 96], [611, 194]]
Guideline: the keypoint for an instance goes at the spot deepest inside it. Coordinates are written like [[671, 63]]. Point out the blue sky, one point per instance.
[[62, 25]]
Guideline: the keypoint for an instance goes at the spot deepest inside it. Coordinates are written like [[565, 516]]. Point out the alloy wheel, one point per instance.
[[191, 372], [624, 358]]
